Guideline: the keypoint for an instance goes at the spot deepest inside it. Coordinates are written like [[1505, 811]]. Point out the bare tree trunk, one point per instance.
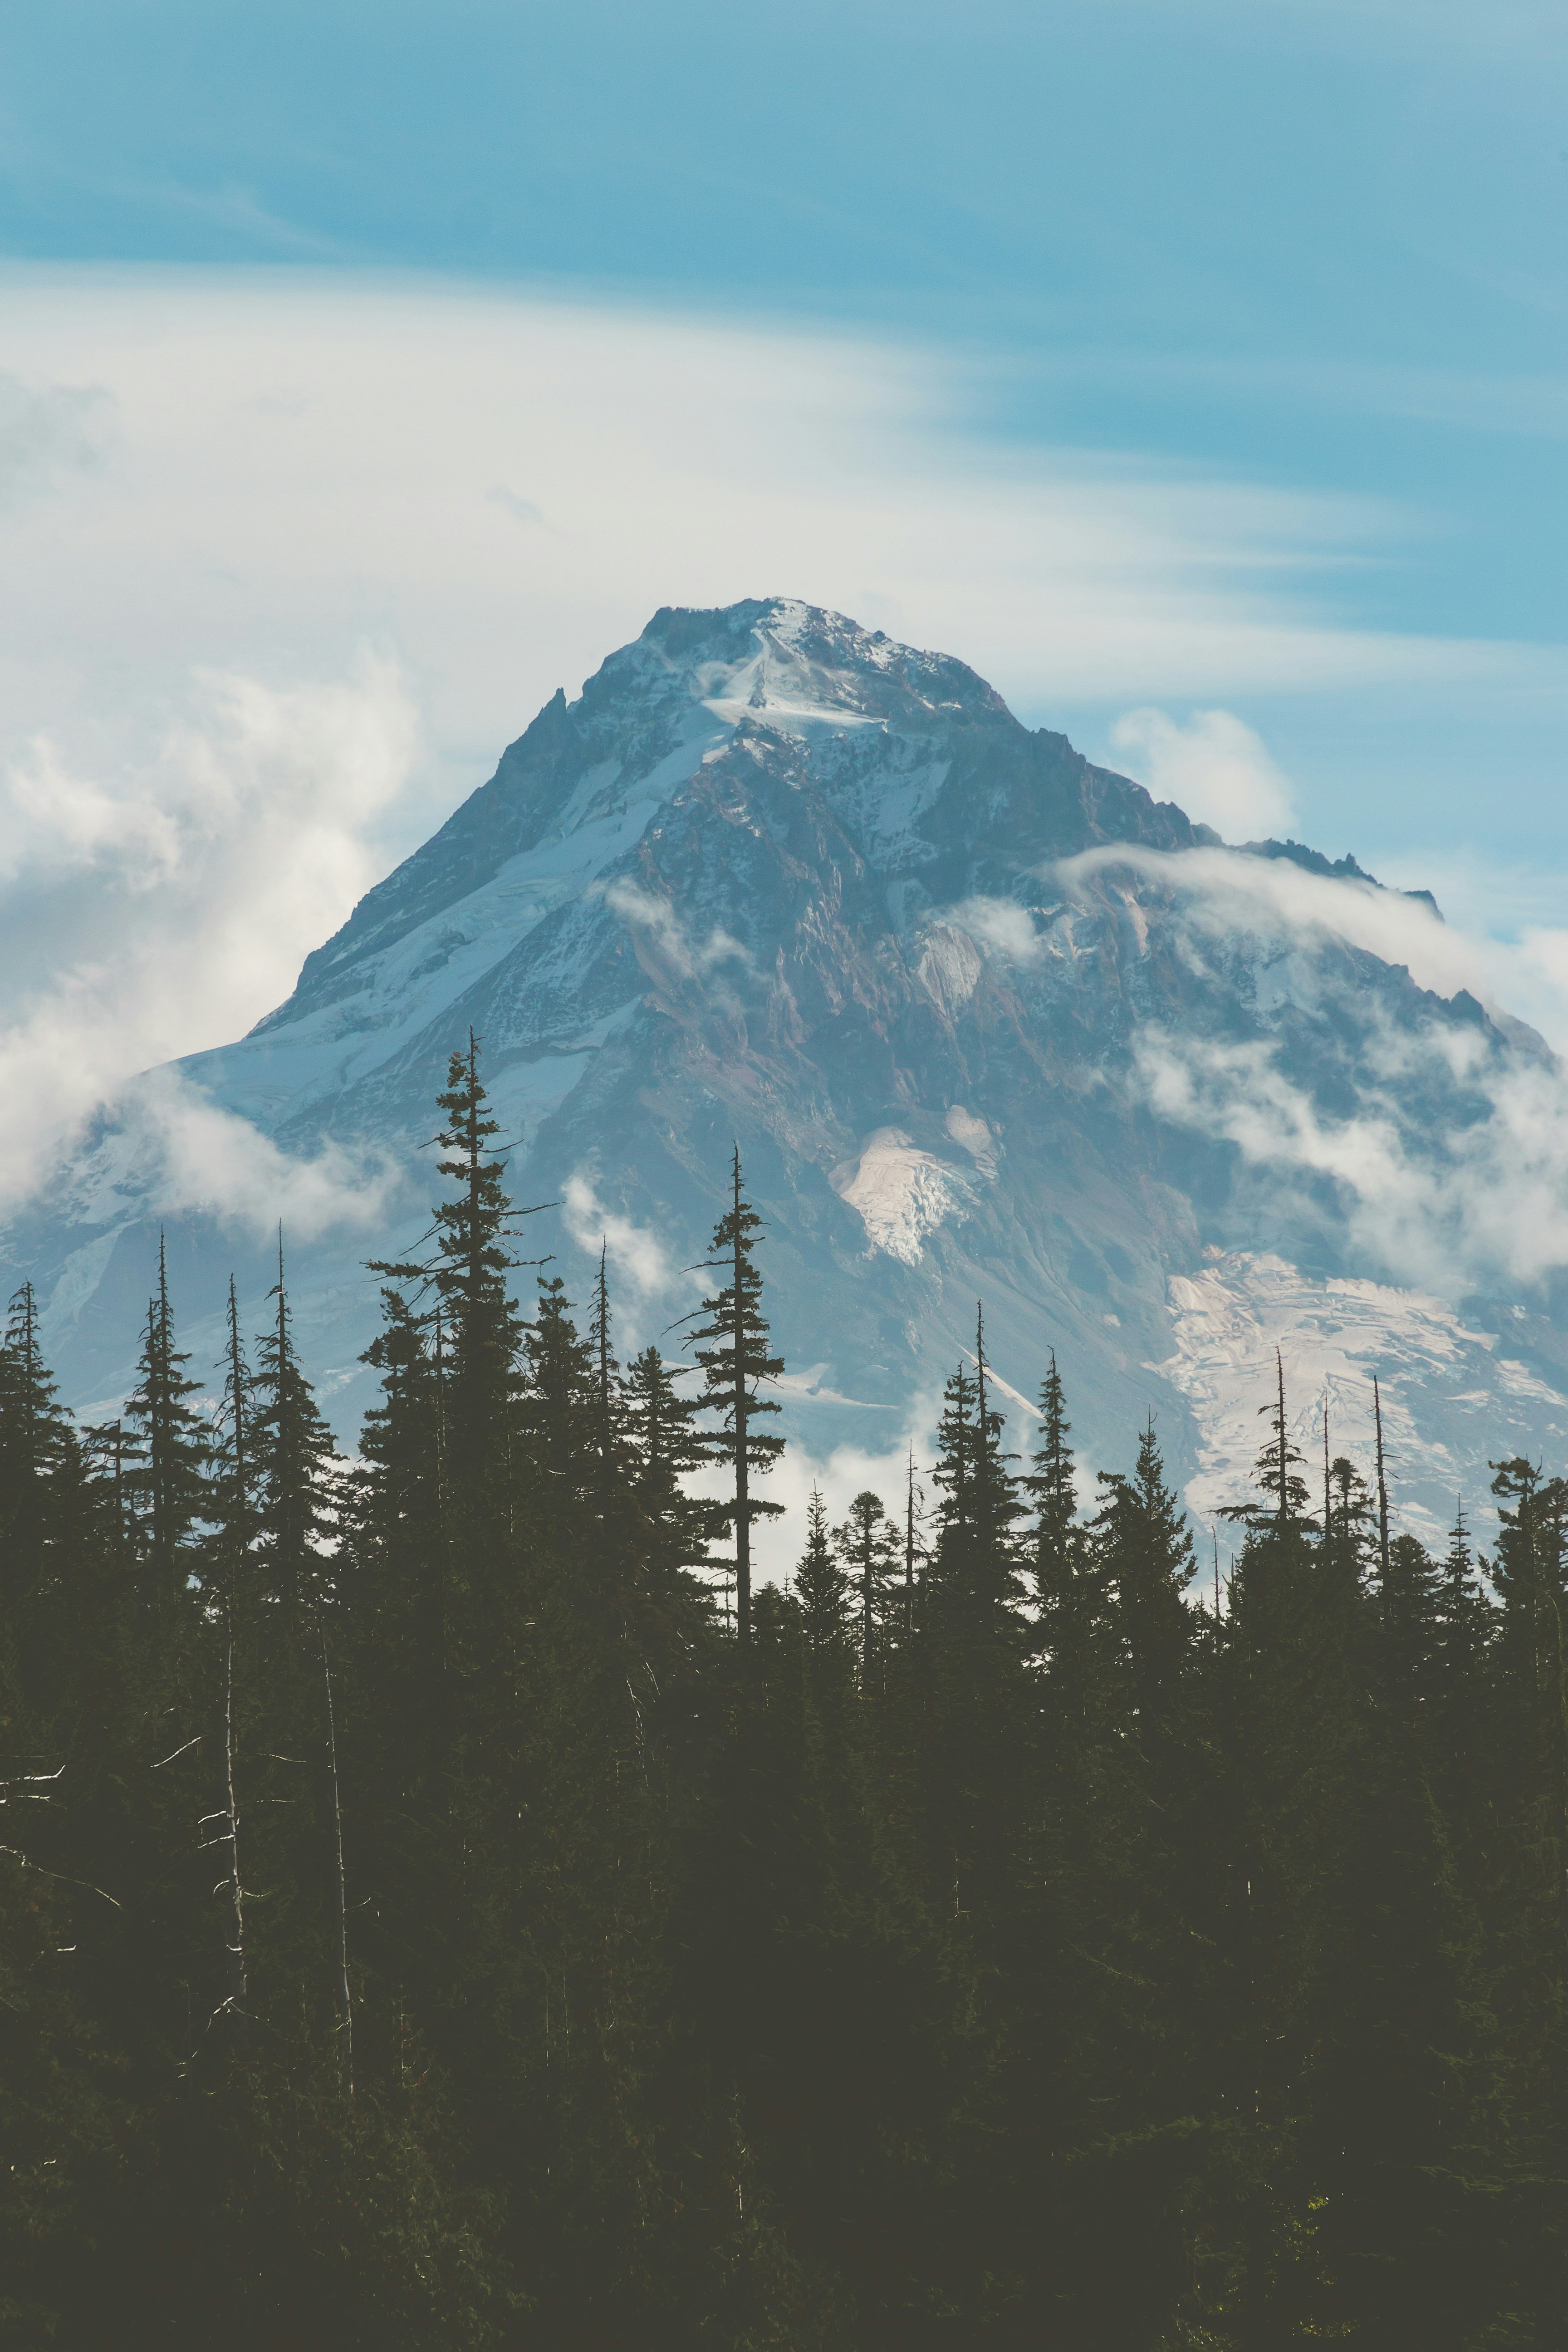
[[345, 2005]]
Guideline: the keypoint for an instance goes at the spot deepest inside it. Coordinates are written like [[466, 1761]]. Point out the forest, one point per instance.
[[447, 1901]]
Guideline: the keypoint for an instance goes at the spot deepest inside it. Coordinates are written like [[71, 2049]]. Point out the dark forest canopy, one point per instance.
[[444, 1905]]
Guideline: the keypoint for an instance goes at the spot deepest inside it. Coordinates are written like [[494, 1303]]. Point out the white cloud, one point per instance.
[[1226, 893], [196, 1156], [1481, 1200], [666, 928], [48, 433], [634, 1252], [300, 459], [1485, 1198], [160, 909], [1215, 767], [1001, 925]]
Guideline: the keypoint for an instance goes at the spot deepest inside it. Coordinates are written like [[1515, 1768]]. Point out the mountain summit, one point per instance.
[[986, 1021]]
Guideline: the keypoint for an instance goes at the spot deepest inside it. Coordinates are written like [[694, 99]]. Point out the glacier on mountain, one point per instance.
[[985, 1020]]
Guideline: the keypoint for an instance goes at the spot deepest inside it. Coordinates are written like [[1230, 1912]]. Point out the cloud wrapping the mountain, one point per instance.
[[1479, 1196], [1216, 768], [199, 1157], [635, 1252], [666, 928], [156, 909]]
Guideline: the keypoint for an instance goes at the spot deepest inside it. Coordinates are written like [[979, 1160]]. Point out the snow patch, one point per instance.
[[899, 1192], [1333, 1335]]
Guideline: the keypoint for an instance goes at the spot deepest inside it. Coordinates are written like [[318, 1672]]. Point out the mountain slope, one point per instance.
[[985, 1020]]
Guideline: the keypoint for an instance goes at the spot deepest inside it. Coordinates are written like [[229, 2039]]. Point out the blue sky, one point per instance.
[[1315, 246], [1212, 355]]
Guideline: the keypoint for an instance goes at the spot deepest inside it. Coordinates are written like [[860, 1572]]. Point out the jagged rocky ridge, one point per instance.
[[777, 879]]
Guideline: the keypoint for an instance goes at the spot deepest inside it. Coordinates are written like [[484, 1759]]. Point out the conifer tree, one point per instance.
[[868, 1547], [665, 1445], [234, 1517], [168, 1482], [1529, 1767], [822, 1585], [32, 1437], [290, 1789], [1147, 1558], [736, 1364], [479, 1328], [1066, 1580], [473, 1257], [1460, 1693], [296, 1469], [563, 1410]]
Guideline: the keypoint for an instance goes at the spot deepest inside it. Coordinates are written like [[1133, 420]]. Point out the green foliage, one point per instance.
[[425, 1919]]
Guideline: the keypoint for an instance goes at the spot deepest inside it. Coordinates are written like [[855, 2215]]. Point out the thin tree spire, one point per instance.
[[1382, 1484], [1284, 1465]]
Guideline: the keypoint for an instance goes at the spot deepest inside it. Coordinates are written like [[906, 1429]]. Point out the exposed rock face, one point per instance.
[[971, 1008]]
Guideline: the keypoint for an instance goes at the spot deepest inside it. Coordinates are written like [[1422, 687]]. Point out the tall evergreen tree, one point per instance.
[[868, 1547], [737, 1364], [822, 1586], [171, 1449]]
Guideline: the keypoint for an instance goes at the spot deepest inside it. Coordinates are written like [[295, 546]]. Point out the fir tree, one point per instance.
[[868, 1547], [1147, 1560], [822, 1586], [296, 1469], [171, 1448], [736, 1365]]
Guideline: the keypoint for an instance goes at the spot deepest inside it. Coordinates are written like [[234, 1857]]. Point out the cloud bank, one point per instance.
[[1216, 768], [162, 906], [1449, 1162]]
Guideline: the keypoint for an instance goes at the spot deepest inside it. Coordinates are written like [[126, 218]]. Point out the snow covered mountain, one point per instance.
[[986, 1021]]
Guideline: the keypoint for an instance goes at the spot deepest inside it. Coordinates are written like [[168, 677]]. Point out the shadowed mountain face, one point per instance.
[[986, 1021]]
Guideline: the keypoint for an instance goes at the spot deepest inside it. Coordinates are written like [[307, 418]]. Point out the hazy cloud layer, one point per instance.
[[48, 433], [634, 1254], [1484, 1198], [664, 930], [1215, 767], [196, 1156], [164, 905]]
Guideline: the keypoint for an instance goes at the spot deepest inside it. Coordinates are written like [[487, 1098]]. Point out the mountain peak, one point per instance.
[[775, 878], [779, 653]]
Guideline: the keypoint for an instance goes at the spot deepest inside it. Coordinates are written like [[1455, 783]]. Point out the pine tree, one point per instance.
[[1460, 1693], [235, 1516], [664, 1446], [1054, 1488], [823, 1586], [868, 1547], [473, 1258], [286, 1729], [736, 1364], [296, 1467], [1528, 1768], [477, 1326], [168, 1483], [33, 1432]]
